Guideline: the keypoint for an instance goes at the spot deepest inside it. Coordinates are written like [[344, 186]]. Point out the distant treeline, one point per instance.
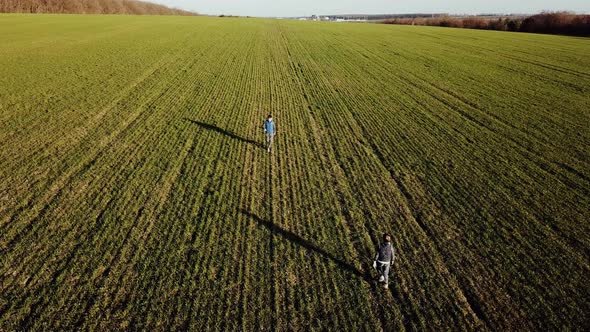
[[563, 23], [129, 7]]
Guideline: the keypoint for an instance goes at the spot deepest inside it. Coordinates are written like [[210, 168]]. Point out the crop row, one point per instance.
[[136, 192]]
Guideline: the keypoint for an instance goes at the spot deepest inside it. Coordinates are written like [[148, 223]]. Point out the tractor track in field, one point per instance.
[[54, 190], [537, 159], [523, 150], [249, 172], [105, 145], [167, 183], [489, 116], [85, 129], [471, 303], [469, 104], [333, 170], [55, 246], [198, 215], [486, 51], [137, 194], [52, 195], [152, 206]]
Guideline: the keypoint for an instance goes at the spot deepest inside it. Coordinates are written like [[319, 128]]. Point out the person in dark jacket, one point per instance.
[[383, 259]]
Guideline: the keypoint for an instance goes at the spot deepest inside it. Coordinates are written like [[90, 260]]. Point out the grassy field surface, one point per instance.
[[135, 191]]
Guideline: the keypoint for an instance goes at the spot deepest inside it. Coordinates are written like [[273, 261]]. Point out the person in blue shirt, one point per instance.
[[270, 130]]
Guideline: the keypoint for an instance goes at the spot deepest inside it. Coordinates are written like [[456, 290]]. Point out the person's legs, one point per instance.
[[386, 273], [269, 140], [380, 270]]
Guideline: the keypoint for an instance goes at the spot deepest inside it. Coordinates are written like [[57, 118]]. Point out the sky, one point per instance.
[[291, 8]]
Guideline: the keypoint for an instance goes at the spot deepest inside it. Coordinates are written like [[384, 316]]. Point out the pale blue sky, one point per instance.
[[322, 7]]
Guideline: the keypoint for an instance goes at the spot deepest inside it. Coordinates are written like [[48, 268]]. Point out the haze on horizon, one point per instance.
[[292, 8]]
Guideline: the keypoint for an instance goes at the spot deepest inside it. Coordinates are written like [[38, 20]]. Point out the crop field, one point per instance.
[[136, 193]]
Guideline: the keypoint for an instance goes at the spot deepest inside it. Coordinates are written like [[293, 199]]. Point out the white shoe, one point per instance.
[[386, 286], [381, 278]]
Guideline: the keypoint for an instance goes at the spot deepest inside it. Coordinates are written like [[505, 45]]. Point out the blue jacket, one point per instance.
[[269, 127]]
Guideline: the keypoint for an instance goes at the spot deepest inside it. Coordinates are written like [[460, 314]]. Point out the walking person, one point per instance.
[[270, 130], [383, 259]]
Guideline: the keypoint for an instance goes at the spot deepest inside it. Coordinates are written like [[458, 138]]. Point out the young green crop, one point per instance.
[[135, 192]]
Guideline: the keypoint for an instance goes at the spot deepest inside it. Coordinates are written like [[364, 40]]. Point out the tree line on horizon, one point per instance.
[[562, 23], [125, 7]]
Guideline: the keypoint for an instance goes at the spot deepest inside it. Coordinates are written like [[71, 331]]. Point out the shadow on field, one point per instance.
[[225, 132], [308, 245]]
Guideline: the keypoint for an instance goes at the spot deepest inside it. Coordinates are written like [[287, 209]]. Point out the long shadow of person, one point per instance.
[[227, 133], [308, 245]]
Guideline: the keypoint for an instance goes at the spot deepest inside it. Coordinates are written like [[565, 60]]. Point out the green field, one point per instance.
[[135, 194]]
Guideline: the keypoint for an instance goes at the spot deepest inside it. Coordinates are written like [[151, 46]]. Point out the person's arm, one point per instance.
[[392, 255]]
